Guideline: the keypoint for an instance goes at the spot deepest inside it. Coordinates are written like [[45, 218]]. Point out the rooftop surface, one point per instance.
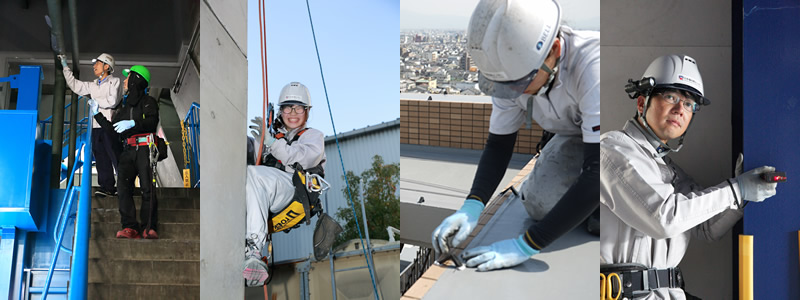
[[443, 177]]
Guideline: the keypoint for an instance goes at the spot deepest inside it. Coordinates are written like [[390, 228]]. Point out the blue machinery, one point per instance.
[[26, 202]]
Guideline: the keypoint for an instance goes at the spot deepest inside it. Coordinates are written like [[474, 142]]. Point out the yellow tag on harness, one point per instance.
[[290, 216]]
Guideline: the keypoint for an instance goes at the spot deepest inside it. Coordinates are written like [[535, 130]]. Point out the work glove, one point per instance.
[[63, 59], [93, 107], [121, 126], [753, 188], [257, 130], [502, 254], [458, 225]]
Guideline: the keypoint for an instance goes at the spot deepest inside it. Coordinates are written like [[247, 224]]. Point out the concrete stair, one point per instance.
[[167, 268]]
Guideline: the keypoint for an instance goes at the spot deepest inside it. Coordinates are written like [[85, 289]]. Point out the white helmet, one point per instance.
[[671, 72], [295, 93], [107, 59], [677, 72], [508, 39]]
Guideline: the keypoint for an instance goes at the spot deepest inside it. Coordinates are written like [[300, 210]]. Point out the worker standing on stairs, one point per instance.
[[136, 121], [104, 91], [535, 69], [650, 208], [269, 187]]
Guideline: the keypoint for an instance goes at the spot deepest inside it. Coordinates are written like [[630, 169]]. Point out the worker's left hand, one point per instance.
[[502, 254], [121, 126], [93, 107]]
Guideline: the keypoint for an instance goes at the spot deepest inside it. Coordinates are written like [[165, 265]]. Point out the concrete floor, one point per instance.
[[562, 271]]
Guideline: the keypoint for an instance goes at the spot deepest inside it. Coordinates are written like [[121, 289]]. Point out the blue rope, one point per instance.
[[367, 256]]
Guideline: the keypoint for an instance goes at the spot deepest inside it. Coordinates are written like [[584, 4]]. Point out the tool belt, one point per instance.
[[148, 139], [635, 280], [142, 139]]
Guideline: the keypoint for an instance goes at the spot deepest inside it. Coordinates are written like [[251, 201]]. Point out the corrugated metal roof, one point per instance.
[[357, 148]]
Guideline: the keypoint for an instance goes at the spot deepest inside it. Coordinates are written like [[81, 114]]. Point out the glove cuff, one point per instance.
[[472, 208], [523, 246], [269, 140]]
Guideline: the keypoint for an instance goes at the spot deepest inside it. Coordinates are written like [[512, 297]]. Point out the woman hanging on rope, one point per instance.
[[269, 187]]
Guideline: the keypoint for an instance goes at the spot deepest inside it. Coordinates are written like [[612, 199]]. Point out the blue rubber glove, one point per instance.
[[753, 188], [93, 107], [459, 224], [63, 59], [121, 126], [502, 254]]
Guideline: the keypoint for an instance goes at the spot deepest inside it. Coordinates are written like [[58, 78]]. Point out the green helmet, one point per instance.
[[141, 70]]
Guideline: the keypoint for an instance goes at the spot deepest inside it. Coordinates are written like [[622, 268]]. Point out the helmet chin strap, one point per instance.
[[552, 75], [662, 149]]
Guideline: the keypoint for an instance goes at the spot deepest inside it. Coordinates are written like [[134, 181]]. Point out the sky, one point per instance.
[[454, 14], [359, 54]]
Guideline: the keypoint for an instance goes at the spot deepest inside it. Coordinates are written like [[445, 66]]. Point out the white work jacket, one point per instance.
[[572, 106], [104, 91], [308, 150], [650, 207]]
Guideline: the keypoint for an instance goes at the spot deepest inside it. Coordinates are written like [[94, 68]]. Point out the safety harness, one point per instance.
[[308, 184]]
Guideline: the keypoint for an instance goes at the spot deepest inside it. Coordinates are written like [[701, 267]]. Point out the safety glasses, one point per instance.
[[689, 100]]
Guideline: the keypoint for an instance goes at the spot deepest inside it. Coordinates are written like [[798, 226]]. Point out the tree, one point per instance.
[[379, 186]]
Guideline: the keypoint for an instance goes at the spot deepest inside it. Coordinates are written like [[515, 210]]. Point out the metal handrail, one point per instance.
[[82, 123], [191, 143], [79, 249]]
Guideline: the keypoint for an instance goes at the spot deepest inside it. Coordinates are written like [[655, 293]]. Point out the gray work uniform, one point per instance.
[[570, 109], [269, 189], [104, 91], [650, 208]]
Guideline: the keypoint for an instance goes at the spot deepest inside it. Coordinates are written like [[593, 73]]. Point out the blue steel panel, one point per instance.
[[7, 238], [29, 83], [16, 164], [771, 107]]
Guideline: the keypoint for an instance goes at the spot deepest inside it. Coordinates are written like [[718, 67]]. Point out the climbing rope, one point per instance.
[[367, 255], [264, 85]]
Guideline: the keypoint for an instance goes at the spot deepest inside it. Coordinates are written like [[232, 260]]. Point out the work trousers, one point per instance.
[[105, 158], [136, 162], [267, 190], [557, 169]]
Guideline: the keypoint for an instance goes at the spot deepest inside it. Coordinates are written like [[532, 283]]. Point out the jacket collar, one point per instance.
[[635, 130]]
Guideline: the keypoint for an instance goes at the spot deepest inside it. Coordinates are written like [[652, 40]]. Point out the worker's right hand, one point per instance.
[[753, 188], [458, 225], [258, 129], [93, 107], [63, 59]]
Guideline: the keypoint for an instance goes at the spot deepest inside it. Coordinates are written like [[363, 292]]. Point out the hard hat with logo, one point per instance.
[[508, 39], [107, 59], [295, 93], [677, 72]]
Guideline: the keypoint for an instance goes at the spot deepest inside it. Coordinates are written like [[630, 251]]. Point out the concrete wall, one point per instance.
[[633, 34], [455, 124], [223, 92]]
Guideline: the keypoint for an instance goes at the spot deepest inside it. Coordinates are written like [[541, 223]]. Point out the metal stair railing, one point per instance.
[[190, 129], [80, 248]]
